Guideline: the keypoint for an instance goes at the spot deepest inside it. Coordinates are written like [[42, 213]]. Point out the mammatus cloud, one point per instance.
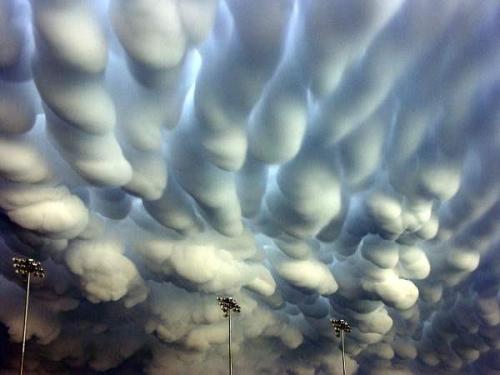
[[310, 158]]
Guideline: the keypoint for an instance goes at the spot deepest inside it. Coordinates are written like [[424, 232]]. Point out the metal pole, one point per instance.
[[228, 304], [230, 358], [343, 352], [25, 325]]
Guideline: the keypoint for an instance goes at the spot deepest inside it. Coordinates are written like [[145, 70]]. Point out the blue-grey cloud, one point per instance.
[[314, 159]]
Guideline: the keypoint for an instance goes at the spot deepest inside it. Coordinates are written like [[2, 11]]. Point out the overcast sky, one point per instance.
[[314, 159]]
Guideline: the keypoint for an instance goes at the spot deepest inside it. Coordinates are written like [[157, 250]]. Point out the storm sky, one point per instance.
[[311, 158]]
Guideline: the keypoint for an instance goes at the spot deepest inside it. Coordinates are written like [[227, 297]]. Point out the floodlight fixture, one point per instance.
[[341, 327], [228, 304], [27, 267]]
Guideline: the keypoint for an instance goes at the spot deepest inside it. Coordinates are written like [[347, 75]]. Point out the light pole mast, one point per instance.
[[341, 328], [27, 267], [228, 304]]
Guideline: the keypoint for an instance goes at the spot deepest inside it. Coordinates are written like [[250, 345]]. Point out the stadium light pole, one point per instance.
[[341, 328], [26, 267], [228, 304]]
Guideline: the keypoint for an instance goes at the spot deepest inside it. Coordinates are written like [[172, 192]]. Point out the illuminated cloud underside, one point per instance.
[[311, 158]]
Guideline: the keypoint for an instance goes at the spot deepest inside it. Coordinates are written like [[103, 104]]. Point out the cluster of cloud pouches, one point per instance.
[[311, 158]]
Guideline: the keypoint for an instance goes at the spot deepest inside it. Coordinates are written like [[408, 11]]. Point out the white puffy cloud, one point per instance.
[[314, 159], [82, 45], [105, 273], [223, 266], [308, 274], [143, 27]]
